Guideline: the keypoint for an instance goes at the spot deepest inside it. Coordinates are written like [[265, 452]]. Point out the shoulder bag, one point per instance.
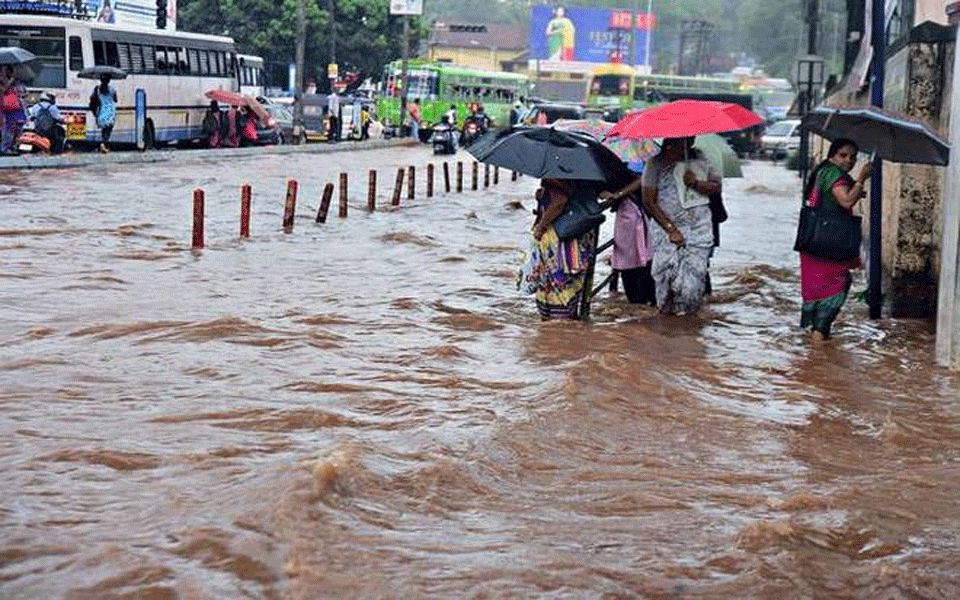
[[829, 234], [581, 214]]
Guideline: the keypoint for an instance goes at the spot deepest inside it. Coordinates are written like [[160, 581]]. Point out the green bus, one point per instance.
[[439, 85]]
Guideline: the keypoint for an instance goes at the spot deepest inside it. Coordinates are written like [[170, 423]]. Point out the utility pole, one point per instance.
[[403, 70], [806, 96], [298, 80], [878, 68]]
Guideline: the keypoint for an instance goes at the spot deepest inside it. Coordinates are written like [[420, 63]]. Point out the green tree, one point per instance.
[[367, 37]]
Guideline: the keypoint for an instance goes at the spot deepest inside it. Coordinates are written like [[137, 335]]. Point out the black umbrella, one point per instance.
[[26, 65], [548, 153], [96, 71], [893, 136]]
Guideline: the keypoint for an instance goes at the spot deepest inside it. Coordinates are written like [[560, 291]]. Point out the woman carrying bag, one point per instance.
[[831, 194]]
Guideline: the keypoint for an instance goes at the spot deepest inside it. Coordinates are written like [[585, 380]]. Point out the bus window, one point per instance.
[[193, 60], [76, 53], [160, 59], [610, 85], [136, 59], [123, 52]]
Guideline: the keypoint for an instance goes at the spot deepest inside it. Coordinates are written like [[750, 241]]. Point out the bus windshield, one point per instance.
[[610, 85]]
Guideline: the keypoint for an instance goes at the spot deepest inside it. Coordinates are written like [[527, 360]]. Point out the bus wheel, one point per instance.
[[149, 136]]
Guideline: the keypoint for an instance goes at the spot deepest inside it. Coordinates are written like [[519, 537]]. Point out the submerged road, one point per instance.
[[366, 408]]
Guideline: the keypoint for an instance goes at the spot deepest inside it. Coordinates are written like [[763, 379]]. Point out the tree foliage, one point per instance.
[[366, 36]]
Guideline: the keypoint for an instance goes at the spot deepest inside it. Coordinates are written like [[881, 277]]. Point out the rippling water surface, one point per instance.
[[367, 409]]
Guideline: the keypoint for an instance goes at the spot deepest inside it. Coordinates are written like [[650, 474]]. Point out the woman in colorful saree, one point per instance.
[[556, 270], [825, 283]]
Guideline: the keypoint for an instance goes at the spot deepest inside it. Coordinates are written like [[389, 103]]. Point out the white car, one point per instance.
[[781, 139]]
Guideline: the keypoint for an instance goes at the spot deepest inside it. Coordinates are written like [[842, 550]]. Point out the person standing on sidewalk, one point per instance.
[[103, 104], [413, 109], [333, 108]]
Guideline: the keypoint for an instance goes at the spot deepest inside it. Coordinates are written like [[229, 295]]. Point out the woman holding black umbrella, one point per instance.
[[557, 270], [825, 282]]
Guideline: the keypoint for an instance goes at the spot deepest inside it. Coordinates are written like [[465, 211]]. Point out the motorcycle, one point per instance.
[[31, 141], [443, 138]]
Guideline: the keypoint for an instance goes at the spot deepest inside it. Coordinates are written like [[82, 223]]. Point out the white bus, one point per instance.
[[252, 76], [174, 69]]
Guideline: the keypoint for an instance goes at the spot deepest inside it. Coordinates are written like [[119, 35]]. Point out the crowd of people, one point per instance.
[[44, 115], [229, 128], [666, 263]]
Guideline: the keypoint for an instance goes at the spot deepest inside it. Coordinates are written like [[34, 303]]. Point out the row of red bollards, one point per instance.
[[290, 202]]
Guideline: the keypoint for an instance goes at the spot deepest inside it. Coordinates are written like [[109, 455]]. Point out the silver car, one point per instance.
[[781, 139]]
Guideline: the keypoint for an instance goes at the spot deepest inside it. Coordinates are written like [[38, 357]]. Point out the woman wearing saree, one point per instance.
[[556, 270], [824, 283], [675, 186]]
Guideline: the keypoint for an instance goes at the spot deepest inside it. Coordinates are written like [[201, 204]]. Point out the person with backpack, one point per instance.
[[103, 104], [48, 122]]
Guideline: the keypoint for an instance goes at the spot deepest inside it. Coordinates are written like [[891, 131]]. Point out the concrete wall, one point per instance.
[[913, 193]]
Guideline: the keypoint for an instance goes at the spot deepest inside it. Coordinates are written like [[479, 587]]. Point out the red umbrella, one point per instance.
[[684, 118], [236, 99]]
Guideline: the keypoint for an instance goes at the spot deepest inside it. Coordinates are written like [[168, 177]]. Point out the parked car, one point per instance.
[[553, 112], [781, 139], [283, 117]]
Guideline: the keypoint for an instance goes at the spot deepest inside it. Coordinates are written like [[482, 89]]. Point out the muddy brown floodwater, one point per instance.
[[367, 408]]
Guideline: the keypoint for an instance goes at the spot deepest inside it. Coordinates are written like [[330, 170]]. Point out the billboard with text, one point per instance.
[[596, 35]]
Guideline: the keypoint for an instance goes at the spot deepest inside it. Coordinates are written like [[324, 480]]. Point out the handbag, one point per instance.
[[718, 212], [834, 235], [581, 214], [11, 100]]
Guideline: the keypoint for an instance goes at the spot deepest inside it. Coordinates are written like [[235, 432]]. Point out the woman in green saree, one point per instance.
[[825, 283]]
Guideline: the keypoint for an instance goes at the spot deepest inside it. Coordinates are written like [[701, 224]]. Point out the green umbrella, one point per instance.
[[719, 152]]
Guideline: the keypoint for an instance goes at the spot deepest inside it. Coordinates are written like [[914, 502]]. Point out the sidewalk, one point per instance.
[[81, 159]]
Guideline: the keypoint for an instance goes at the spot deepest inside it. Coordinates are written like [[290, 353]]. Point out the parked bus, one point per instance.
[[173, 68], [252, 76], [440, 85]]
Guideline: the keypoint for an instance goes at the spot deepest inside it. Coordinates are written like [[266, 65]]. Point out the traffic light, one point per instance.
[[161, 14]]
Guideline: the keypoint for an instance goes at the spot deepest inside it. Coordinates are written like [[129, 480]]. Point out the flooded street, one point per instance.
[[366, 408]]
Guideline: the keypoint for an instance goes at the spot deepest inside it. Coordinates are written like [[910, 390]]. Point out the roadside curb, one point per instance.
[[82, 159]]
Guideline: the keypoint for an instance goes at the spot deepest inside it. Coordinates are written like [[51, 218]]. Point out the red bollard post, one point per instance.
[[473, 172], [245, 193], [325, 203], [197, 218], [411, 179], [496, 175], [446, 176], [430, 180], [290, 205], [459, 176], [398, 187], [343, 195], [372, 190], [486, 175]]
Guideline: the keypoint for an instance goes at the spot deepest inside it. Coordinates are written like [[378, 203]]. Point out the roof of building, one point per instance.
[[483, 35]]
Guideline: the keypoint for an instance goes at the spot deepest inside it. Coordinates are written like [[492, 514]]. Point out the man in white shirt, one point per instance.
[[333, 108]]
